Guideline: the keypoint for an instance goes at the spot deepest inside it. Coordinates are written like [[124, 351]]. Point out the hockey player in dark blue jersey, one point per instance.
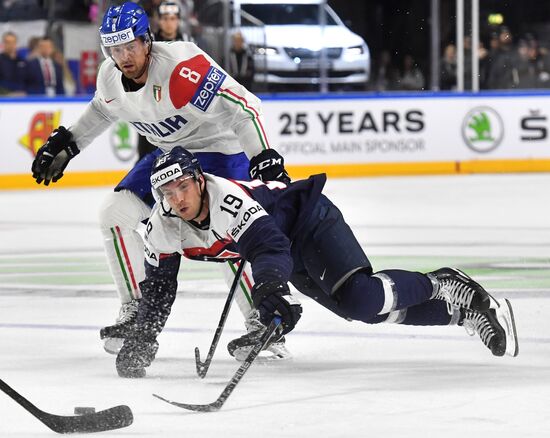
[[290, 233]]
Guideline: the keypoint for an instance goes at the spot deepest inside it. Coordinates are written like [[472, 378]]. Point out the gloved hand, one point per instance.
[[274, 299], [268, 165], [134, 356], [52, 158]]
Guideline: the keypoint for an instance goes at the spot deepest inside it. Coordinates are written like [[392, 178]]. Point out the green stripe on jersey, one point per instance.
[[254, 120]]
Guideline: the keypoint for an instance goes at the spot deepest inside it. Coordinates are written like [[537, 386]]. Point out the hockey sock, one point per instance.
[[120, 216], [243, 294], [433, 312], [364, 296]]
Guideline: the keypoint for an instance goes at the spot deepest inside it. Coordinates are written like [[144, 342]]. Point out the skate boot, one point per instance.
[[114, 335], [240, 347], [496, 327], [458, 290]]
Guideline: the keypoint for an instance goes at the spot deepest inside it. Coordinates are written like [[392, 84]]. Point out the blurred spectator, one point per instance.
[[448, 68], [32, 47], [525, 71], [543, 63], [411, 77], [44, 76], [385, 74], [12, 67], [169, 19], [186, 7], [241, 63], [483, 56], [503, 61], [69, 84]]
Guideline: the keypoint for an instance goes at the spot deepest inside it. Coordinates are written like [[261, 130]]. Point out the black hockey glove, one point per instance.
[[268, 165], [274, 299], [134, 356], [52, 158]]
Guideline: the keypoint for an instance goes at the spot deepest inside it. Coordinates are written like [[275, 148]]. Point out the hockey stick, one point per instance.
[[216, 405], [202, 367], [109, 419]]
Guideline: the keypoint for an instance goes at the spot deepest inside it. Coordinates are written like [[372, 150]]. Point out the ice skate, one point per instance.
[[459, 290], [496, 327], [240, 347], [114, 335]]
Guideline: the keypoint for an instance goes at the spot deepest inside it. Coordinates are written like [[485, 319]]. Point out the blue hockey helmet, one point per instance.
[[171, 165], [122, 24]]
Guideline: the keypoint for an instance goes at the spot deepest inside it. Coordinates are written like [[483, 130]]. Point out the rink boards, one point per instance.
[[342, 135]]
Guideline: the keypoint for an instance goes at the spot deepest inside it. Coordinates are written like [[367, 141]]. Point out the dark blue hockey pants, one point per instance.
[[331, 267]]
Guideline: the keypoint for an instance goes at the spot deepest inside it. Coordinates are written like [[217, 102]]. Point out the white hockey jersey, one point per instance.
[[232, 211], [187, 100]]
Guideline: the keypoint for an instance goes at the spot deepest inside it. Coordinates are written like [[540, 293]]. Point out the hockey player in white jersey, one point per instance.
[[290, 233], [170, 92]]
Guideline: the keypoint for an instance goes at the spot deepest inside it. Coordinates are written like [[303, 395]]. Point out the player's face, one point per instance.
[[130, 58], [184, 196], [10, 44], [169, 23]]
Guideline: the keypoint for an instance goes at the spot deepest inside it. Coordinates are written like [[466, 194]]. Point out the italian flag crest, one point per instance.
[[157, 92]]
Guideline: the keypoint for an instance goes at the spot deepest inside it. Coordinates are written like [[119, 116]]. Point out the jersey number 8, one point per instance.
[[192, 75]]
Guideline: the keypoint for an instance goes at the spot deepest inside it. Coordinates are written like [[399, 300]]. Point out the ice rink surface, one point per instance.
[[346, 379]]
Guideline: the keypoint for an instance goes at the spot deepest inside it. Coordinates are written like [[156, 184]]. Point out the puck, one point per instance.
[[80, 410]]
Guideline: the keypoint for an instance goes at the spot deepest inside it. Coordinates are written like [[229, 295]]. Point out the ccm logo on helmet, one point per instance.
[[121, 37], [163, 176]]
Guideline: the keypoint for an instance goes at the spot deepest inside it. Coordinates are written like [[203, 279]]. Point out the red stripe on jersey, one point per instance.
[[186, 79], [247, 281], [240, 186], [215, 250]]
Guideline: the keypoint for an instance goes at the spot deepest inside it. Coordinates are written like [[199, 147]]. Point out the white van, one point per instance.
[[286, 40]]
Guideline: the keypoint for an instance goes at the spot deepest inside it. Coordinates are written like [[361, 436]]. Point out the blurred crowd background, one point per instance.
[[38, 58]]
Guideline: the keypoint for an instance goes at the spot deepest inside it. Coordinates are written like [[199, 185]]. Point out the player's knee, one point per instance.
[[122, 209], [362, 297]]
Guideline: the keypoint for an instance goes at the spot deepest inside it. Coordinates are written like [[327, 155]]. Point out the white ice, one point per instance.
[[346, 379]]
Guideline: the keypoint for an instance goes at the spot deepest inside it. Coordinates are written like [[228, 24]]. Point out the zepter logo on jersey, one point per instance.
[[165, 175], [195, 81]]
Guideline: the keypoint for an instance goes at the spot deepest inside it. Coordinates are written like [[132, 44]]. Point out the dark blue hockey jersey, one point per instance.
[[252, 220]]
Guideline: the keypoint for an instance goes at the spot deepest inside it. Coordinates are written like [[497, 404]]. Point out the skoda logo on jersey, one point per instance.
[[165, 175], [208, 89], [123, 141], [482, 129]]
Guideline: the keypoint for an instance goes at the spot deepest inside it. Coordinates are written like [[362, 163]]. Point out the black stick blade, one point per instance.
[[201, 366], [108, 419], [211, 407], [217, 404]]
